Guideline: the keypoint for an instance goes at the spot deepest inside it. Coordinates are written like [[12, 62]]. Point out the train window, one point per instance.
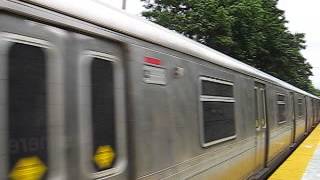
[[102, 111], [263, 108], [256, 108], [300, 107], [281, 98], [281, 102], [27, 105], [218, 121], [213, 87]]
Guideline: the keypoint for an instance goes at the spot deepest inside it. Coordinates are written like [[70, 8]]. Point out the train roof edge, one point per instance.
[[96, 12]]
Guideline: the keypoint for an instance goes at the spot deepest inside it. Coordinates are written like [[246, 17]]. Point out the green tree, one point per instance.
[[252, 31]]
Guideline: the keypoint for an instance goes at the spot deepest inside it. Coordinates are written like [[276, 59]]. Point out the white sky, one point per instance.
[[301, 14]]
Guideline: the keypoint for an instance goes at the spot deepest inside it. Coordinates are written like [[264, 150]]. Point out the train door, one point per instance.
[[293, 116], [31, 100], [261, 124], [318, 111], [101, 115]]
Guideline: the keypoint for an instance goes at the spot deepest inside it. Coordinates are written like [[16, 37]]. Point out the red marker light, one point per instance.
[[151, 60]]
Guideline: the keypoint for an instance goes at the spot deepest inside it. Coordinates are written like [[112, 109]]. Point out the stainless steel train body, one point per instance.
[[173, 109]]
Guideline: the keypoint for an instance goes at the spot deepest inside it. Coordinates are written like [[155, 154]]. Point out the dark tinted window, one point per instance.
[[218, 110], [102, 102], [218, 120], [256, 109], [281, 108], [281, 98], [281, 112], [216, 89], [300, 107], [27, 104], [263, 108]]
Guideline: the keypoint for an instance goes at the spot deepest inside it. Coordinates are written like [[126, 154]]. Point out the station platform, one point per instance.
[[304, 162]]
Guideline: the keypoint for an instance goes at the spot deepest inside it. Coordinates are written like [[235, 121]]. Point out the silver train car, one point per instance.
[[90, 92]]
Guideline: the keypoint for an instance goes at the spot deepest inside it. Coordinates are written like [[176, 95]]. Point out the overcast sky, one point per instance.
[[301, 14]]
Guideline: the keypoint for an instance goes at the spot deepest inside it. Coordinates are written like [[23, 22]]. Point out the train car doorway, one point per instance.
[[261, 124]]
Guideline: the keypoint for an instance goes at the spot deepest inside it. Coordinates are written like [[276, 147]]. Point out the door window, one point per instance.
[[260, 106], [27, 105], [102, 113], [281, 104]]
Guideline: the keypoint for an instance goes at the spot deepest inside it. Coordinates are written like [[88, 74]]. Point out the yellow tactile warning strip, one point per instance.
[[294, 167]]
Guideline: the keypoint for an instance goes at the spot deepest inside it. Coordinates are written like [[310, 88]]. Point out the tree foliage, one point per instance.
[[252, 31]]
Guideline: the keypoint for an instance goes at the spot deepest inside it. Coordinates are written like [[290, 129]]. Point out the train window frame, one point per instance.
[[52, 54], [120, 163], [300, 108], [206, 98], [260, 106], [264, 107], [256, 108], [281, 102]]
